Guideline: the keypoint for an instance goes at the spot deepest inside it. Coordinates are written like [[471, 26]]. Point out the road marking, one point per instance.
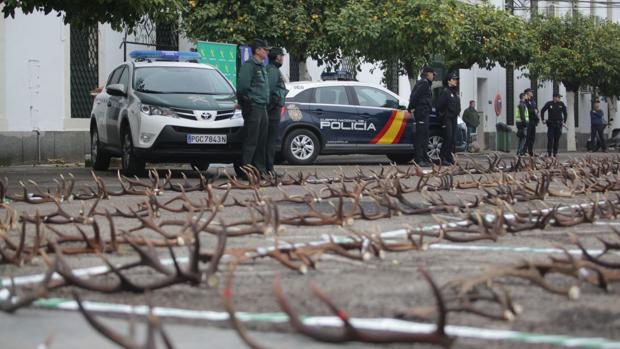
[[386, 324]]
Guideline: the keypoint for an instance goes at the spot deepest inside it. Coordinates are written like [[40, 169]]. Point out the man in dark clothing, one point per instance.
[[557, 119], [420, 106], [253, 96], [522, 121], [277, 96], [532, 109], [597, 125], [448, 110], [471, 118]]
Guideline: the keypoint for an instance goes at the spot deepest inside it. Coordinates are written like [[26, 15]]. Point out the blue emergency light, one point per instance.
[[156, 55]]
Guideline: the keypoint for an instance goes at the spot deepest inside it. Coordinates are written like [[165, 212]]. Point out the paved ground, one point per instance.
[[377, 288]]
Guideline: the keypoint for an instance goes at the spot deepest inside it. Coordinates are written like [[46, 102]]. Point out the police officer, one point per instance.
[[253, 96], [420, 105], [557, 119], [522, 121], [277, 96], [532, 109], [448, 110]]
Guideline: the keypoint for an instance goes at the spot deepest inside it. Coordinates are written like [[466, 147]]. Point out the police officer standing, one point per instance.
[[532, 109], [277, 96], [448, 110], [557, 119], [420, 105], [253, 96]]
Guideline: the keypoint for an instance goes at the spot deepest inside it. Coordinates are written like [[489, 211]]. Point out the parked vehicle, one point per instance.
[[349, 117], [161, 109]]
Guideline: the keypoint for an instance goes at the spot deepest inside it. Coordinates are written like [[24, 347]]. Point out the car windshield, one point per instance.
[[180, 80]]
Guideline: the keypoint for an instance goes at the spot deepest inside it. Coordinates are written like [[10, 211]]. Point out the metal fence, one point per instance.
[[84, 69]]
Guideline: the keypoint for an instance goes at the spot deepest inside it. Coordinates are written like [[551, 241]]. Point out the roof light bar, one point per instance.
[[141, 55]]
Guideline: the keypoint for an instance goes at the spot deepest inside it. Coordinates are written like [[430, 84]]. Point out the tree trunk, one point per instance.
[[571, 144], [303, 71]]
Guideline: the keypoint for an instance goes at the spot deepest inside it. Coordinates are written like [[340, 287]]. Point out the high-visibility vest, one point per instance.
[[519, 117]]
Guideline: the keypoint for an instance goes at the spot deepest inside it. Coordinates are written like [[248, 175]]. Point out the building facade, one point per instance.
[[48, 69]]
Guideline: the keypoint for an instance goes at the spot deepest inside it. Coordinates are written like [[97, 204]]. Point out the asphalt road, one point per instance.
[[376, 288]]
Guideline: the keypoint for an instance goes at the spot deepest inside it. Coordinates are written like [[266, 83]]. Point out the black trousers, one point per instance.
[[597, 137], [554, 132], [421, 137], [531, 138], [448, 145], [255, 131], [273, 125]]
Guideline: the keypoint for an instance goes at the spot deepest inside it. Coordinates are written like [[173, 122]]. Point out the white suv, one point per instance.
[[165, 111]]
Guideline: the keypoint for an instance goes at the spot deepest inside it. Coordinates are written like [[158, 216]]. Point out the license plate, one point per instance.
[[206, 139]]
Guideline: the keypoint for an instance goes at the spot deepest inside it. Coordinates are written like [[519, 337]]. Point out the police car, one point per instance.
[[161, 108], [349, 117]]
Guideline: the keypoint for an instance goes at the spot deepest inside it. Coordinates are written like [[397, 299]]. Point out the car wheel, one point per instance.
[[100, 158], [434, 147], [201, 166], [130, 164], [301, 147], [401, 159]]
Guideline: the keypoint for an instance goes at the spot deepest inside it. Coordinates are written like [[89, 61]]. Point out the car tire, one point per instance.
[[99, 158], [200, 165], [131, 165], [401, 159], [301, 147], [434, 147]]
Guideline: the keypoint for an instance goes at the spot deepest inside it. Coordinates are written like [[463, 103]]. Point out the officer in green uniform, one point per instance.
[[277, 96], [253, 96]]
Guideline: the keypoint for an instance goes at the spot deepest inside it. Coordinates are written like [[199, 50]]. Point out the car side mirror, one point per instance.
[[402, 107], [116, 90]]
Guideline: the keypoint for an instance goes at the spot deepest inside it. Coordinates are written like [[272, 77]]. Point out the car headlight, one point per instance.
[[153, 110], [237, 114]]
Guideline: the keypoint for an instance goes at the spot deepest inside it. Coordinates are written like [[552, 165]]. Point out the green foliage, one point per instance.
[[116, 12], [296, 25], [417, 32], [488, 36], [577, 50]]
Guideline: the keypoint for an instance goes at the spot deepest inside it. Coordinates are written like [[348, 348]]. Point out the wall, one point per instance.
[[34, 72]]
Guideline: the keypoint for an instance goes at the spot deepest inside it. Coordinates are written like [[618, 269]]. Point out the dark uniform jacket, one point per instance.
[[421, 98], [252, 84], [449, 104], [277, 89], [597, 118], [531, 108], [557, 112]]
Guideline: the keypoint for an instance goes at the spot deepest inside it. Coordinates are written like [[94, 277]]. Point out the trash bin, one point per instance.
[[503, 139]]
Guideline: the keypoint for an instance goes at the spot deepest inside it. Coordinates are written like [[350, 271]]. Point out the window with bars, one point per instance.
[[84, 69]]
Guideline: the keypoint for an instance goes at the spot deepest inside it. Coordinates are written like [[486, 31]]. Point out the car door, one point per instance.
[[103, 99], [114, 106], [338, 119], [391, 126]]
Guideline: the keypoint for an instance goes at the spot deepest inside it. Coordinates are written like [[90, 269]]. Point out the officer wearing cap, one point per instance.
[[277, 96], [557, 119], [532, 109], [420, 105], [253, 96], [448, 110]]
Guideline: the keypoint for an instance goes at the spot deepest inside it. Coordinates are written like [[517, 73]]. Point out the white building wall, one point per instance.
[[33, 59]]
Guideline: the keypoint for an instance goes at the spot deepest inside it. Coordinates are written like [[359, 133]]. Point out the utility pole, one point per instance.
[[572, 102], [510, 78], [534, 82]]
